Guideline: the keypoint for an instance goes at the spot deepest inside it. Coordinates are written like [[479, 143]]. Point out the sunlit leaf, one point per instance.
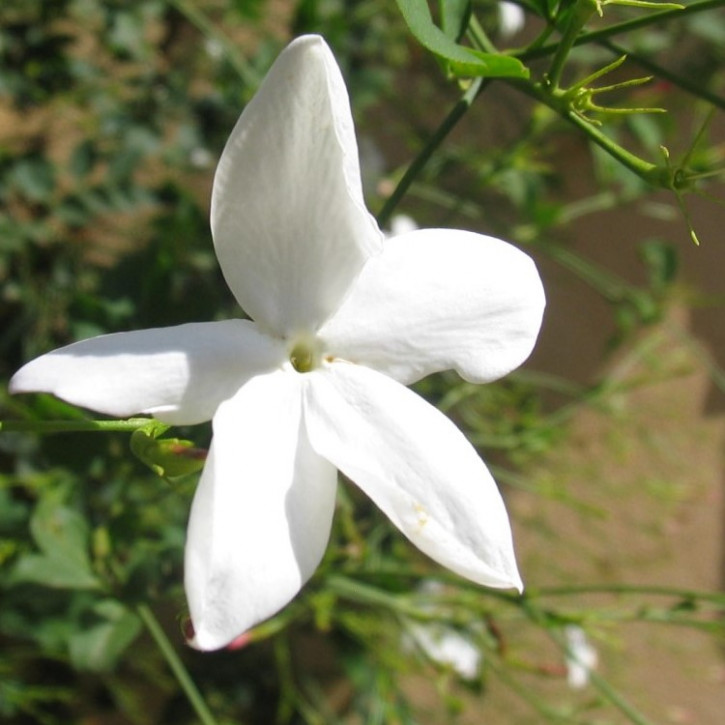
[[461, 61]]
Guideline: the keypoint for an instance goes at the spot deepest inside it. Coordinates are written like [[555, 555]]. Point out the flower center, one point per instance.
[[305, 355]]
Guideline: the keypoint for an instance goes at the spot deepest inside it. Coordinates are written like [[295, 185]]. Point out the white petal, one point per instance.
[[438, 300], [289, 222], [416, 466], [261, 515], [178, 374]]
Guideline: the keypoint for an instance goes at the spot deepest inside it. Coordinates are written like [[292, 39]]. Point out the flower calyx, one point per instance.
[[579, 98]]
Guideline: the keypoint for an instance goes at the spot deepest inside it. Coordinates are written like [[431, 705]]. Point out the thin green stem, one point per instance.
[[176, 665], [618, 700], [614, 697], [416, 166], [668, 75], [73, 426], [579, 18], [627, 589], [478, 36], [204, 25], [624, 27], [366, 594], [649, 172], [527, 694]]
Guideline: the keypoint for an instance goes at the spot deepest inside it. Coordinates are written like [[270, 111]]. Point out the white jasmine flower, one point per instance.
[[402, 224], [511, 18], [214, 48], [448, 647], [581, 657], [316, 383], [201, 158], [444, 644]]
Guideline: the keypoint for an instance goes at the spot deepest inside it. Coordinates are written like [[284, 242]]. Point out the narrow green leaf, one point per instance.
[[461, 61]]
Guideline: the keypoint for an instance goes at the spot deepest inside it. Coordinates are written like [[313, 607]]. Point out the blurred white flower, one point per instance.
[[402, 224], [442, 643], [316, 384], [214, 48], [201, 158], [511, 18], [581, 657], [449, 647]]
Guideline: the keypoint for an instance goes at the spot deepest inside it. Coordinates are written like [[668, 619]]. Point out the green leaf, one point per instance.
[[61, 534], [60, 531], [52, 572], [99, 647], [461, 61], [34, 177]]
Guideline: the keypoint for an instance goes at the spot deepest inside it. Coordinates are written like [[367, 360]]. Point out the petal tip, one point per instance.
[[23, 381], [202, 640], [15, 385]]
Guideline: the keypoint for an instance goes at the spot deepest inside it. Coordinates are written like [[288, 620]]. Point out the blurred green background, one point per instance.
[[607, 444]]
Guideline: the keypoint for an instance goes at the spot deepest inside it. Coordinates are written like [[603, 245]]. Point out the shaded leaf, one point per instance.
[[61, 534], [53, 572], [99, 647]]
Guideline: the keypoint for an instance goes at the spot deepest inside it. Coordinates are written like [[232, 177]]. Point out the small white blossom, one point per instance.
[[214, 48], [402, 224], [442, 643], [201, 158], [448, 647], [511, 18], [342, 322], [581, 657]]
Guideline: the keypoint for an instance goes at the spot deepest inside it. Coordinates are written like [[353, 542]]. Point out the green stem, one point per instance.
[[206, 27], [627, 589], [614, 697], [624, 27], [556, 100], [416, 166], [583, 11], [73, 426], [478, 36], [527, 694], [674, 78], [176, 665], [366, 594], [618, 700]]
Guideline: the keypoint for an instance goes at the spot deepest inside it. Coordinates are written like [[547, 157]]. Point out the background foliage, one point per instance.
[[112, 116]]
